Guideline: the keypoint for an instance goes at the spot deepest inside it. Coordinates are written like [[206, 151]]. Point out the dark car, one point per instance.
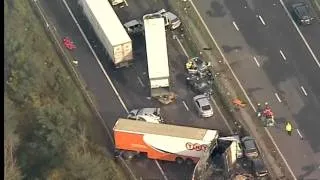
[[200, 85], [302, 13], [249, 147], [258, 168]]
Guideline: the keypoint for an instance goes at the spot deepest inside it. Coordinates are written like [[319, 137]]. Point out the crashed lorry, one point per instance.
[[166, 142], [111, 33], [157, 57]]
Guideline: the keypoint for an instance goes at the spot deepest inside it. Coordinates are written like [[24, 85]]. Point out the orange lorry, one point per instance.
[[163, 141]]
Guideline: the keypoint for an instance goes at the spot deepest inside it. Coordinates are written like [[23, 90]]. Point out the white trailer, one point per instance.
[[109, 30], [163, 141], [156, 46]]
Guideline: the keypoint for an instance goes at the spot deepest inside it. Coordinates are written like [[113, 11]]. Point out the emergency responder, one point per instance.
[[289, 128]]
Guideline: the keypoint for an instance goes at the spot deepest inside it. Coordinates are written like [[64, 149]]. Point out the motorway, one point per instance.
[[128, 87], [274, 64]]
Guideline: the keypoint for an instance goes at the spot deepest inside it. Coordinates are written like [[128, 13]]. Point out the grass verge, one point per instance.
[[50, 132]]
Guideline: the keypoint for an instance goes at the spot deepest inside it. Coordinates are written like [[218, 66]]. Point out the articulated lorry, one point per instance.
[[157, 55], [162, 141], [109, 30]]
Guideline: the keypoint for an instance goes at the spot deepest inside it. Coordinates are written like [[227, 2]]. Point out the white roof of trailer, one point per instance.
[[109, 21], [156, 45], [141, 127]]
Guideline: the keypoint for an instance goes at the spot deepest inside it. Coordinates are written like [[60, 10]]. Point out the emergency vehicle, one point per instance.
[[162, 141]]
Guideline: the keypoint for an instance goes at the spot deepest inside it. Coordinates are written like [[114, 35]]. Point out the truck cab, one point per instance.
[[171, 20], [134, 27]]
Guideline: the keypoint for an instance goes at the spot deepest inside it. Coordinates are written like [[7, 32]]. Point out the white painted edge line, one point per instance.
[[283, 56], [215, 103], [161, 170], [299, 134], [140, 81], [241, 87], [277, 96], [185, 105], [96, 57], [256, 60], [284, 159], [235, 25], [179, 42], [304, 91], [223, 117], [301, 35], [261, 19]]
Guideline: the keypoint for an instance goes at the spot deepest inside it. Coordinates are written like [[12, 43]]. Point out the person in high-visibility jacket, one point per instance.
[[289, 128]]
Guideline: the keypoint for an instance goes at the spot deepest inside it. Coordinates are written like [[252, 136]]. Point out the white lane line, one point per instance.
[[297, 28], [283, 56], [215, 103], [261, 19], [277, 96], [161, 170], [304, 91], [140, 81], [241, 87], [179, 42], [299, 134], [185, 105], [256, 60], [235, 25], [96, 57]]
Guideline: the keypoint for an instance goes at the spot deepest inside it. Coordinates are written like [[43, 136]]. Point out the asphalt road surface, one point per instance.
[[274, 65], [133, 92]]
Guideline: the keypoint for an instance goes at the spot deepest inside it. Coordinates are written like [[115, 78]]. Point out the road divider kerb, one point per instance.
[[235, 25], [277, 96], [261, 19]]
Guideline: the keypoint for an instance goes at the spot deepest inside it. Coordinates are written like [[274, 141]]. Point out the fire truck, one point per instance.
[[162, 141]]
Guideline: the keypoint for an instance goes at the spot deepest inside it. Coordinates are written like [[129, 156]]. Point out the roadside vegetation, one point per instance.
[[46, 120]]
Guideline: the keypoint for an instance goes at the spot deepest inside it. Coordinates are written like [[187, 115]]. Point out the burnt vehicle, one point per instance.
[[200, 85]]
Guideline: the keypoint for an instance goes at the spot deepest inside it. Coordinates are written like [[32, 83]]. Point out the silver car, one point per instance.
[[151, 115], [203, 105]]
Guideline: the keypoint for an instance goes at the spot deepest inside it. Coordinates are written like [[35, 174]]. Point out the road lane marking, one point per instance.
[[161, 170], [235, 25], [283, 56], [96, 57], [255, 59], [140, 81], [277, 96], [261, 19], [301, 35], [108, 78], [179, 42], [185, 105], [215, 103], [241, 87], [304, 91], [299, 134]]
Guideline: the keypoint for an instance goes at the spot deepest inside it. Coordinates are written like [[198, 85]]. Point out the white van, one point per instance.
[[234, 139], [171, 20]]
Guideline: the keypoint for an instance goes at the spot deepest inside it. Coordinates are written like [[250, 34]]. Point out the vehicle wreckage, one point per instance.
[[199, 78]]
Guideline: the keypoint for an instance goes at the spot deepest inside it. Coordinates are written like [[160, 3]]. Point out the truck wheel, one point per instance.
[[179, 160], [189, 162]]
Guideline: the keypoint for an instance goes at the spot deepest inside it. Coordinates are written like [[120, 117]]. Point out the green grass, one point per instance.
[[48, 122]]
